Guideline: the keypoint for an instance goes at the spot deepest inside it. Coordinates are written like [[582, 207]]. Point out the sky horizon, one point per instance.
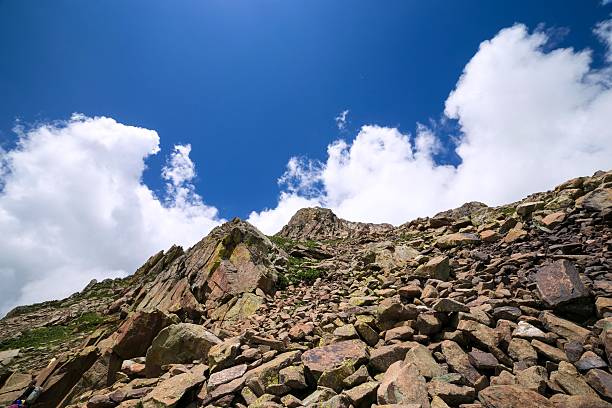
[[127, 127]]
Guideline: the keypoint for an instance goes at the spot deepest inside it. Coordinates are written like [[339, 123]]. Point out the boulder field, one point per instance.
[[475, 307]]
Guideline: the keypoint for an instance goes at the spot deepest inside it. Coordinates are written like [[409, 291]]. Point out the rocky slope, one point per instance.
[[474, 307]]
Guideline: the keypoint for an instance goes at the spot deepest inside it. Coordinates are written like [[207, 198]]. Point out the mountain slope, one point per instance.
[[508, 306]]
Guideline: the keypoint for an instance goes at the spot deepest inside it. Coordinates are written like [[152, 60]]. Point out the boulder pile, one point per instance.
[[476, 307]]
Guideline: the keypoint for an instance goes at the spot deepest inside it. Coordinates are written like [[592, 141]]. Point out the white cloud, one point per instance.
[[603, 30], [341, 119], [529, 119], [73, 207]]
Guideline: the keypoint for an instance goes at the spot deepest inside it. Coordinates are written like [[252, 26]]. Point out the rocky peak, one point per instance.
[[322, 224]]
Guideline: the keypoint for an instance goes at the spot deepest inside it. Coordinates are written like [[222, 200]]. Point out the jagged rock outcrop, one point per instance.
[[233, 259], [476, 307], [322, 224]]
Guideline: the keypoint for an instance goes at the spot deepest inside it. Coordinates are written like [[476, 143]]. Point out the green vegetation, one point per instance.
[[297, 272], [284, 243], [46, 336]]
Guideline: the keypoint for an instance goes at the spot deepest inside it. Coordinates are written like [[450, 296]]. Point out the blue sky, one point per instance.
[[191, 111], [251, 83]]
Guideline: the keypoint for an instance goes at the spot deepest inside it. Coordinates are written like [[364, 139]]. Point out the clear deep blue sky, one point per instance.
[[251, 83]]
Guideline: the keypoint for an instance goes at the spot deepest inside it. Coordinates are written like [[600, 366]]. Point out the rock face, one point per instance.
[[477, 307], [321, 223], [233, 259]]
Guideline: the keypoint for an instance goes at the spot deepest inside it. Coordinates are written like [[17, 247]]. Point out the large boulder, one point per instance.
[[560, 288], [137, 332], [512, 396], [179, 343]]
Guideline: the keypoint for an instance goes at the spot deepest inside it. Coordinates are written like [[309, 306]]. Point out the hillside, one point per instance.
[[478, 306]]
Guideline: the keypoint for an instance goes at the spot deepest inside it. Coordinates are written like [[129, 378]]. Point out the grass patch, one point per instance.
[[297, 272], [45, 336], [284, 243]]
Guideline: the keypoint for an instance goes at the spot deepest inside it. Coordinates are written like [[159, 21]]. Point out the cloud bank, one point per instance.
[[73, 207], [529, 118]]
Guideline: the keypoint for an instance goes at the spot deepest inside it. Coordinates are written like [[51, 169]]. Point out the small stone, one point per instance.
[[450, 393], [421, 358], [293, 377], [600, 381], [507, 313], [590, 360]]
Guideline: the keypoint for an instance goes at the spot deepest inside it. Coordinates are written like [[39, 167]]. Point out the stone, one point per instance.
[[363, 395], [590, 360], [299, 331], [428, 324], [402, 384], [600, 381], [457, 239], [596, 200], [390, 311], [559, 284], [7, 356], [570, 381], [225, 376], [564, 328], [436, 268], [334, 377], [554, 219], [512, 396], [321, 394], [137, 332], [525, 330], [171, 390], [482, 360], [489, 236], [450, 393], [578, 401], [399, 333], [347, 331], [421, 358], [603, 306], [222, 355], [526, 208], [382, 357], [459, 362], [179, 343], [515, 234], [319, 359], [367, 333], [360, 376], [293, 377], [447, 305], [534, 378], [548, 351], [507, 313]]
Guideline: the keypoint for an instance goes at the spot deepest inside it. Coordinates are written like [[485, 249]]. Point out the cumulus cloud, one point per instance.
[[341, 119], [529, 118], [73, 207]]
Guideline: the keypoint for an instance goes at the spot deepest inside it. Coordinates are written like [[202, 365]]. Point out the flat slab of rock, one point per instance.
[[402, 384], [559, 283], [320, 359], [512, 396]]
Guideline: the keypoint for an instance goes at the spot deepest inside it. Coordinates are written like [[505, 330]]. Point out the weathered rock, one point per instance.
[[564, 328], [402, 384], [578, 401], [435, 268], [570, 381], [421, 358], [363, 395], [382, 357], [179, 343], [225, 376], [457, 239], [450, 393], [293, 377], [222, 355], [170, 391], [512, 396], [136, 334], [459, 361], [320, 359], [447, 305], [559, 285], [600, 381]]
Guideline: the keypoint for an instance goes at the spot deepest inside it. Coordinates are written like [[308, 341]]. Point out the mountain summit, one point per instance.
[[478, 306]]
